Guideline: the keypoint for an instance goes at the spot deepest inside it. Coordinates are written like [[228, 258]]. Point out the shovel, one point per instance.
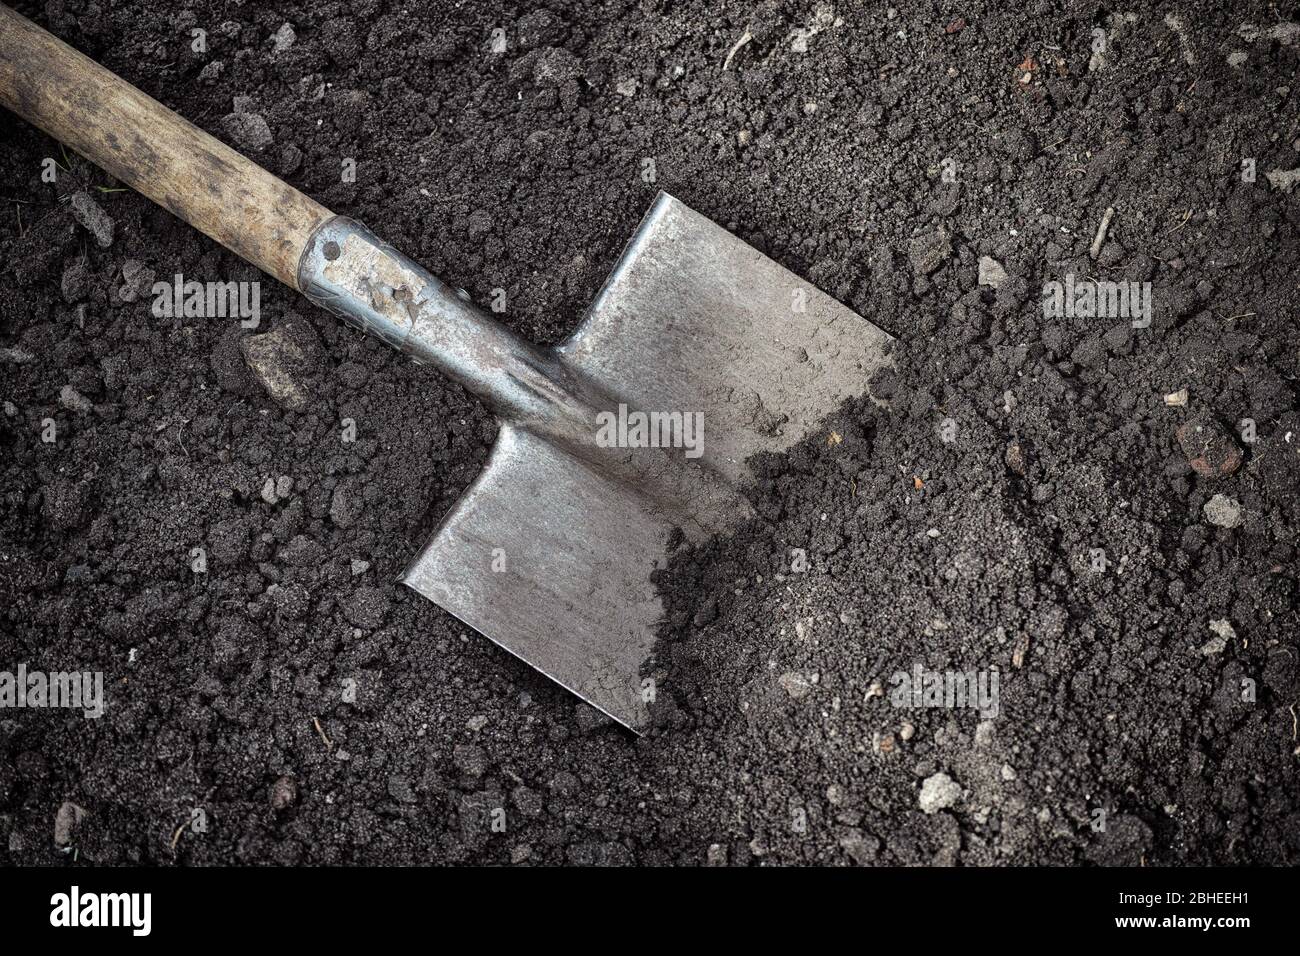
[[631, 436]]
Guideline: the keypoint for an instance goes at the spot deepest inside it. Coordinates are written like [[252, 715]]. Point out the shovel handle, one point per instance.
[[155, 152]]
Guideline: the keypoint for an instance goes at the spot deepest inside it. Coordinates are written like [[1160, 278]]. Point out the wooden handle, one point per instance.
[[154, 151]]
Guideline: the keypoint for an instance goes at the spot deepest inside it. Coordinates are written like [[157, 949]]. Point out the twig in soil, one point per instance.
[[329, 744], [1094, 250], [1186, 218], [736, 48], [176, 837], [1244, 315]]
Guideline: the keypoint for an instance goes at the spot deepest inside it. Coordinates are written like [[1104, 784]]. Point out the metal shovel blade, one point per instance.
[[550, 554]]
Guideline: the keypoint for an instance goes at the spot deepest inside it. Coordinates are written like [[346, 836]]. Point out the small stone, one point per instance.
[[716, 855], [1176, 399], [929, 251], [938, 792], [74, 401], [521, 854], [211, 72], [1015, 457], [66, 822], [359, 566], [268, 491], [92, 218], [476, 723], [1223, 633], [1210, 451], [907, 730], [248, 130], [1008, 774], [283, 38], [276, 359], [627, 87], [1223, 512], [795, 684], [284, 793], [991, 272]]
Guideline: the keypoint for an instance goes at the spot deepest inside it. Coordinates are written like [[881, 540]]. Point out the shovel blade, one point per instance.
[[550, 555], [695, 319], [552, 561]]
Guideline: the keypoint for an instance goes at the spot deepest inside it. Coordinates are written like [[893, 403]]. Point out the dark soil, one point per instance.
[[956, 530]]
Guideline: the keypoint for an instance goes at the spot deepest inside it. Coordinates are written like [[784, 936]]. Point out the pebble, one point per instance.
[[359, 566], [212, 72], [1223, 633], [74, 401], [248, 130], [991, 272], [1222, 511], [1209, 449], [283, 38], [929, 251], [92, 218], [938, 792], [273, 358], [284, 793], [66, 822]]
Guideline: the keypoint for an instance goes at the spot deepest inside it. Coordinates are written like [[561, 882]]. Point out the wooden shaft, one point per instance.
[[154, 151]]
